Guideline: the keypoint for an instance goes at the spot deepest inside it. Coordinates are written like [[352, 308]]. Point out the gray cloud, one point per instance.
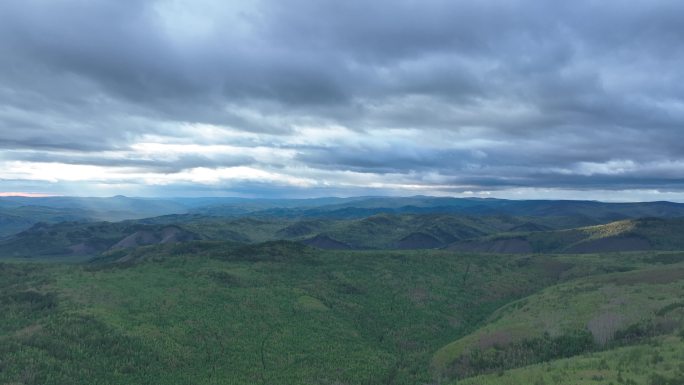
[[135, 163], [488, 94]]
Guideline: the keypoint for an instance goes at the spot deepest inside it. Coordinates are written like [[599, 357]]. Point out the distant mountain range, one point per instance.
[[360, 207], [20, 213], [471, 234], [420, 222]]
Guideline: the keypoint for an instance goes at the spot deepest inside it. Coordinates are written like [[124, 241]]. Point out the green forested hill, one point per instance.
[[626, 235], [216, 313], [208, 312], [569, 319], [16, 219], [19, 213], [186, 299], [87, 239], [382, 231]]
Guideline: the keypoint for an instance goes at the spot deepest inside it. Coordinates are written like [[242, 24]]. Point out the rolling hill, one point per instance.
[[208, 312], [211, 312], [589, 314], [393, 297], [18, 218], [19, 213], [620, 236], [88, 239], [381, 231]]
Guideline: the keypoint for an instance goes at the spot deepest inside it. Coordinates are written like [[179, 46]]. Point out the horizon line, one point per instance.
[[50, 195]]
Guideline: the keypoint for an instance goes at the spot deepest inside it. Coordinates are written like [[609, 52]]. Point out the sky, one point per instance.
[[302, 98]]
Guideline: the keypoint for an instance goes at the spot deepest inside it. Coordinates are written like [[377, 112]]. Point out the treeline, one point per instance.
[[522, 353], [546, 348]]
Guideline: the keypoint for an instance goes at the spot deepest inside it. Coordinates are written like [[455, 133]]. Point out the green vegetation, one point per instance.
[[205, 300], [16, 219], [214, 312], [87, 239], [583, 315], [382, 231], [211, 312], [657, 363], [625, 235], [376, 232]]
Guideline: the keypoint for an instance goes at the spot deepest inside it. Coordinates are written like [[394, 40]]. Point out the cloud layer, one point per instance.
[[318, 97]]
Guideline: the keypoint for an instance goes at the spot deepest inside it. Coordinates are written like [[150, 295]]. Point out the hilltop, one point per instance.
[[88, 239], [620, 236]]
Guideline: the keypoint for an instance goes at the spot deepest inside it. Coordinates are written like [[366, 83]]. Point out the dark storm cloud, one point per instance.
[[494, 94], [394, 159]]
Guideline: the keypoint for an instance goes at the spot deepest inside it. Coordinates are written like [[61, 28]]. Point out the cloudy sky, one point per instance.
[[516, 99]]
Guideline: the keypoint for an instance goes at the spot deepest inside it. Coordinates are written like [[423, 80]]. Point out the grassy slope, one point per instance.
[[227, 314], [600, 304], [636, 234], [661, 362]]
